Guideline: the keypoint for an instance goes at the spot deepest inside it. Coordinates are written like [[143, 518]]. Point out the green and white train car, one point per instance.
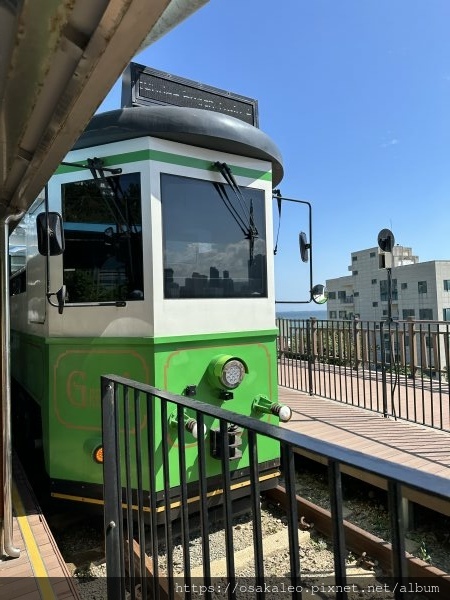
[[166, 277]]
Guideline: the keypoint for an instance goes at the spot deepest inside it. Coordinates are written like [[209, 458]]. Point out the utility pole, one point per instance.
[[386, 243]]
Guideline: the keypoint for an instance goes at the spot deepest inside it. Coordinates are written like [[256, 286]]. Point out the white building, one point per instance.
[[419, 290]]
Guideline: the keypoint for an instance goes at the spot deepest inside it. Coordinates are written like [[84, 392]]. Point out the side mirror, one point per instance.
[[319, 294], [304, 246], [50, 234]]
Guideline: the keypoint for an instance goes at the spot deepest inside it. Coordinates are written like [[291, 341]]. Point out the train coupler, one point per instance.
[[234, 441]]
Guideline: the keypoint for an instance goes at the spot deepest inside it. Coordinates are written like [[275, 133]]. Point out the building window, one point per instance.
[[374, 281], [331, 295], [394, 290], [384, 290], [342, 314], [356, 294], [408, 312], [404, 286], [426, 314], [355, 273], [374, 304], [447, 285], [422, 287], [341, 295], [354, 258], [332, 314], [446, 314], [372, 254]]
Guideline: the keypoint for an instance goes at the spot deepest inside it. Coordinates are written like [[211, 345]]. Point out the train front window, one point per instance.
[[103, 236], [207, 253]]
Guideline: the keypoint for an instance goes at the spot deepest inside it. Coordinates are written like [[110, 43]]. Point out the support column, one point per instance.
[[5, 378]]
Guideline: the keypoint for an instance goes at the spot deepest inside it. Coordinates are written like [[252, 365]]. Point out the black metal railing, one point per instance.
[[397, 368], [137, 445]]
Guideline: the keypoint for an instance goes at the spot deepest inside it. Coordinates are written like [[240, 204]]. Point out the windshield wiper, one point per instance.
[[111, 193], [106, 186], [231, 209], [246, 224]]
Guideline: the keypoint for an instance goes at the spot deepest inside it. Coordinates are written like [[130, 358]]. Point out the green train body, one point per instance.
[[162, 284]]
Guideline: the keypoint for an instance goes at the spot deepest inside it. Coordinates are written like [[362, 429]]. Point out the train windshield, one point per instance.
[[207, 250], [103, 236]]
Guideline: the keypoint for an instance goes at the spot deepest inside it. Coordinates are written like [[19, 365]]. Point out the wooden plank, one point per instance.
[[15, 588], [20, 570], [398, 441], [163, 581]]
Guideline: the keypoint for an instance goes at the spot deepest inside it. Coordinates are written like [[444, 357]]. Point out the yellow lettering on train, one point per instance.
[[94, 397], [80, 394], [76, 389]]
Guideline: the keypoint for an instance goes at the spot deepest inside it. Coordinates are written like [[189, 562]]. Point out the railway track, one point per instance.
[[371, 554], [79, 535], [371, 550]]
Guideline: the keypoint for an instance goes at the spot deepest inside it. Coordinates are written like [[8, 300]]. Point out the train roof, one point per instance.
[[192, 126]]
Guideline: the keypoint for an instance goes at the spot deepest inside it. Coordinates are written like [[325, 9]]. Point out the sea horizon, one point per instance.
[[319, 314]]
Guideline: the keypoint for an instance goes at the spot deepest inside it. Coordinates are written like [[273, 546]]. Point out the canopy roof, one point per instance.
[[58, 60]]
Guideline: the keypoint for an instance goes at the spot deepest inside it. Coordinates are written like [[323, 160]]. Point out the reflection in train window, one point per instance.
[[103, 237], [214, 240]]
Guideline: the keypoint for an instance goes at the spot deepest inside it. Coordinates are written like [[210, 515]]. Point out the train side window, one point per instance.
[[207, 252], [17, 261], [103, 259], [23, 249], [18, 282]]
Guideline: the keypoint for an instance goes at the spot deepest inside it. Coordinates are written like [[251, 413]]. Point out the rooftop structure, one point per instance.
[[419, 289]]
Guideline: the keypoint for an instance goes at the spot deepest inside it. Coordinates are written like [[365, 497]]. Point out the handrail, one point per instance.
[[399, 368], [432, 484], [8, 546], [134, 453]]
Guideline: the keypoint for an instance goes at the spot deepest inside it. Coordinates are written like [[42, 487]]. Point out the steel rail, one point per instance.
[[360, 541]]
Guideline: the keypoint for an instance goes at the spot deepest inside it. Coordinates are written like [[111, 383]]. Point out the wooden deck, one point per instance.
[[40, 572], [401, 442], [421, 400]]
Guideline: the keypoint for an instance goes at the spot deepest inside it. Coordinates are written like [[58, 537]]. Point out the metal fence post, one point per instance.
[[383, 370], [112, 490], [399, 567], [309, 351], [412, 347], [356, 343]]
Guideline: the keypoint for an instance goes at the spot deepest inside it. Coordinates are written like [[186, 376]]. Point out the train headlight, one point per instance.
[[227, 371], [233, 373]]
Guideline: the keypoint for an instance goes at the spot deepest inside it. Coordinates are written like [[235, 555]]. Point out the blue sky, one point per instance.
[[356, 94]]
